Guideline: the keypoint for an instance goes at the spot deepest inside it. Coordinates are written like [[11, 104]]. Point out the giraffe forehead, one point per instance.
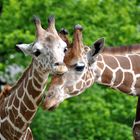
[[50, 38], [73, 56], [52, 47], [58, 42]]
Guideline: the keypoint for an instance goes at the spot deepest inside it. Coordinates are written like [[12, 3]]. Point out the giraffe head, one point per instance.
[[78, 59], [48, 50]]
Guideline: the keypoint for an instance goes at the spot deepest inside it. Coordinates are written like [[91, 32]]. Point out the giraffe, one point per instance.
[[118, 68], [136, 124], [18, 104]]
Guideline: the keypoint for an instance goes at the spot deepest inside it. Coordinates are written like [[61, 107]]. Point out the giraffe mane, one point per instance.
[[7, 88], [22, 77], [5, 92], [122, 49]]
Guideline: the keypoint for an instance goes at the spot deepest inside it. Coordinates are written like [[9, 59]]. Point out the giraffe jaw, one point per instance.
[[53, 107]]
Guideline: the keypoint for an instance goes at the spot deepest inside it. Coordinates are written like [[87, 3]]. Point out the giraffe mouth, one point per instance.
[[52, 108], [60, 69]]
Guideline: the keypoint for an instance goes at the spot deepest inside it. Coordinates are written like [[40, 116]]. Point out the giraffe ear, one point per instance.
[[97, 48], [25, 48]]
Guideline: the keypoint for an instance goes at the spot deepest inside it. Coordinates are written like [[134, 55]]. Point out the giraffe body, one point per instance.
[[120, 72], [118, 68], [19, 104]]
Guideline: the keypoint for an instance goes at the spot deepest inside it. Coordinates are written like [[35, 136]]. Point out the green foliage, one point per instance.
[[99, 113], [90, 116]]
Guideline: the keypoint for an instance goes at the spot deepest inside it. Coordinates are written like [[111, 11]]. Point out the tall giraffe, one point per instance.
[[118, 68], [19, 104]]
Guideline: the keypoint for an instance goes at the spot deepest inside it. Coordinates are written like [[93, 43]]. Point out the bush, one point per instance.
[[90, 116]]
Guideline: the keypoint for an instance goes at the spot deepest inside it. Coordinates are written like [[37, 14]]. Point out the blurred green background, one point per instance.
[[99, 113]]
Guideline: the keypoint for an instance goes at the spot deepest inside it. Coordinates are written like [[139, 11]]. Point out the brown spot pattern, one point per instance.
[[19, 122], [99, 58], [37, 76], [36, 83], [16, 102], [88, 83], [25, 112], [11, 115], [20, 91], [74, 93], [119, 77], [3, 113], [110, 61], [88, 76], [39, 101], [135, 60], [137, 86], [70, 89], [9, 131], [126, 85], [25, 81], [11, 100], [79, 85], [124, 62], [28, 134], [100, 65], [15, 112], [57, 79], [84, 76], [34, 93], [107, 76], [28, 102]]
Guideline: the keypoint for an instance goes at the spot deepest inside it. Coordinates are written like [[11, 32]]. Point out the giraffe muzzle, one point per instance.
[[53, 107], [59, 68], [50, 103]]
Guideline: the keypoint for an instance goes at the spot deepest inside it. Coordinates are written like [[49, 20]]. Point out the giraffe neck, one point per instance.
[[19, 108], [120, 72]]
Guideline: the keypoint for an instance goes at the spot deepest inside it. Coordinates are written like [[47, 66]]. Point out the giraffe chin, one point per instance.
[[52, 108], [50, 105]]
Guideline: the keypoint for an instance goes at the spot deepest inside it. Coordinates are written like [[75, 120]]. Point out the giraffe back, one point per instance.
[[120, 71], [135, 48]]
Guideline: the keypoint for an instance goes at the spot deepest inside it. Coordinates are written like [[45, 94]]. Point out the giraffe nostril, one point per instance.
[[48, 96], [56, 64], [59, 68]]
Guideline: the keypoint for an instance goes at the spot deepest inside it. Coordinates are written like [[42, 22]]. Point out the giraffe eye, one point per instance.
[[37, 53], [65, 49], [80, 67]]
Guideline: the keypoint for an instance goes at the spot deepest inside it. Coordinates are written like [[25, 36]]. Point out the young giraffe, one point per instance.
[[118, 68], [19, 104]]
